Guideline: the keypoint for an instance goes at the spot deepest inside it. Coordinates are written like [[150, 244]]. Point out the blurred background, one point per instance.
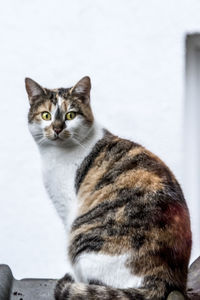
[[143, 58]]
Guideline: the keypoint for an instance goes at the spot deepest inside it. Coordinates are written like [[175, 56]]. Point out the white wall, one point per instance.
[[134, 52]]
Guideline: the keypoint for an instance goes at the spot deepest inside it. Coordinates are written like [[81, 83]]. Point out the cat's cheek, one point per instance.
[[35, 128], [45, 124], [48, 130], [77, 128], [73, 126]]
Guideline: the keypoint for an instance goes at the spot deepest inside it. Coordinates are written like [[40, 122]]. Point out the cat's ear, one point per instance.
[[82, 88], [34, 90]]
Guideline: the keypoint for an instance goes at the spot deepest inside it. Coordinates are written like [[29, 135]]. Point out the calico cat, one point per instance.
[[126, 220]]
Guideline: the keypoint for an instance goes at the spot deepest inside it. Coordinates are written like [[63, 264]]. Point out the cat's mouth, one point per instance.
[[58, 138], [54, 138]]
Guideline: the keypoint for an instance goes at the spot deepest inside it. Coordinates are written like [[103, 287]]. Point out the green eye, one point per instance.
[[46, 116], [70, 115]]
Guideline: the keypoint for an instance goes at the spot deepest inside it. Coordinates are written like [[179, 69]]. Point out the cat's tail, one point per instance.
[[68, 289]]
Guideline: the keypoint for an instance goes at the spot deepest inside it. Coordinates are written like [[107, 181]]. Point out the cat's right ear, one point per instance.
[[34, 90]]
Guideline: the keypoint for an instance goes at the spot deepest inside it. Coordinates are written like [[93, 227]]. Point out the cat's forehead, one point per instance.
[[64, 99], [61, 98], [58, 95]]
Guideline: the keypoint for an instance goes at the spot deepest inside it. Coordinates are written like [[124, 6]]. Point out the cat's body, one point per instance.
[[126, 219]]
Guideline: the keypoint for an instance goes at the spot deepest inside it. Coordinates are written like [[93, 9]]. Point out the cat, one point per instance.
[[126, 219]]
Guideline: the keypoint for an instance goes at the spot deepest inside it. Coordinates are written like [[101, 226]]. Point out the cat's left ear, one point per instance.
[[34, 90], [82, 89]]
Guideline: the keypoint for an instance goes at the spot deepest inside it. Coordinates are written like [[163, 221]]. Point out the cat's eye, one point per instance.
[[46, 116], [70, 115]]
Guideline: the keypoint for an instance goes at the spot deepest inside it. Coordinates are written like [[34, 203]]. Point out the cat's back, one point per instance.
[[119, 168], [131, 204]]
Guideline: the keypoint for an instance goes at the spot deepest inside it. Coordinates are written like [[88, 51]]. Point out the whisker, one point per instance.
[[42, 140], [38, 135], [76, 139]]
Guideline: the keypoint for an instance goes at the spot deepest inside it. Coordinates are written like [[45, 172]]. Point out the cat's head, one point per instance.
[[60, 116]]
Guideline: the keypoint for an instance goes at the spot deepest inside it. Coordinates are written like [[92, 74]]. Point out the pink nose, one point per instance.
[[57, 130]]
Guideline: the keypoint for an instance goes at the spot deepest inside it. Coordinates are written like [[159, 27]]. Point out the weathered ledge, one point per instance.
[[42, 289], [25, 289], [193, 283]]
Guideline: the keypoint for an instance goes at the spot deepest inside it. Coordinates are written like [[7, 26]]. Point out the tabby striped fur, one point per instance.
[[130, 236]]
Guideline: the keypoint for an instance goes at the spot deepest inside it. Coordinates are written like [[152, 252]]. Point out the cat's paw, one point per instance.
[[62, 287]]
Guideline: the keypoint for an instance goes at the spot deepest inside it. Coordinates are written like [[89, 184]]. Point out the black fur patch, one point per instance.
[[85, 243], [89, 160], [96, 282]]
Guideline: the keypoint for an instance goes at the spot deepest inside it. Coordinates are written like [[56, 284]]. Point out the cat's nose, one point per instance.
[[57, 129]]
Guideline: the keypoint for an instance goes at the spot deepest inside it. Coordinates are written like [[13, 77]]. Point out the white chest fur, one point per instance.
[[59, 167], [59, 170]]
